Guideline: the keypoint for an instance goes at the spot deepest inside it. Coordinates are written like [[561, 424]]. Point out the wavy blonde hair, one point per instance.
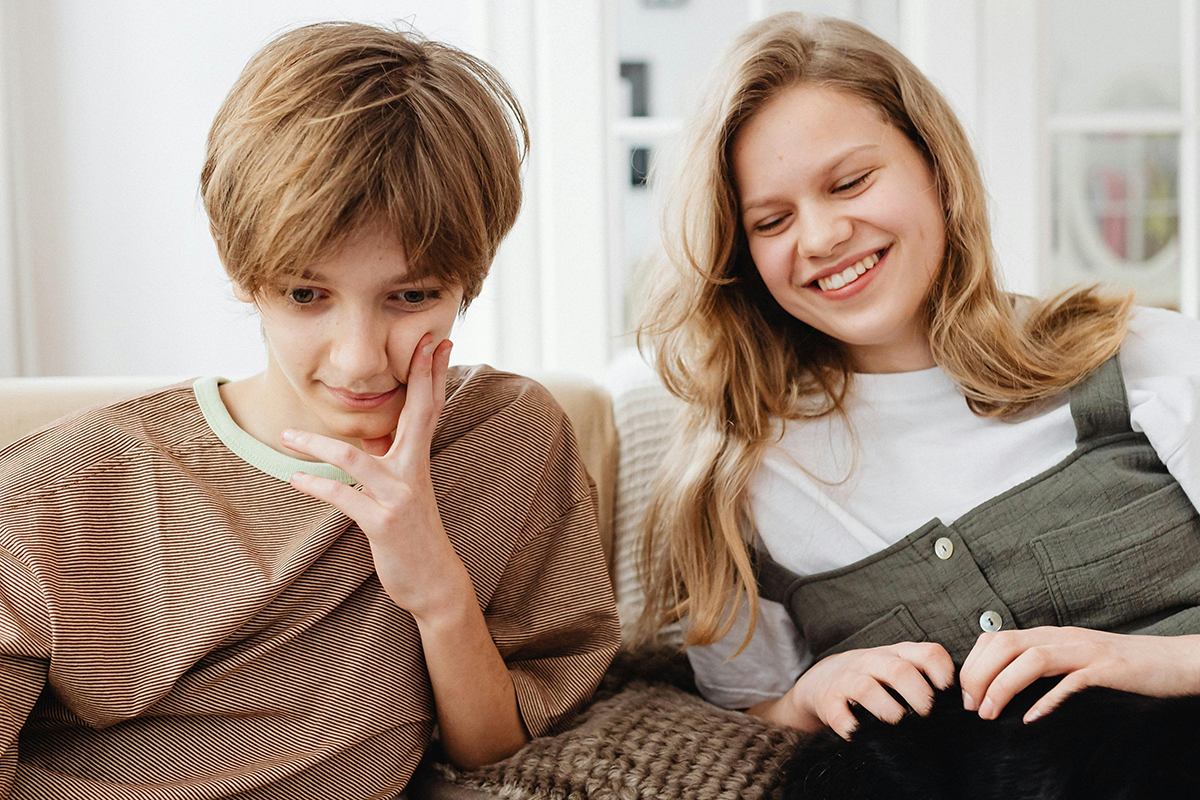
[[724, 346]]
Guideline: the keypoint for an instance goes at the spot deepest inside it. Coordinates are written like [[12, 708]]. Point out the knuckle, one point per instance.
[[896, 669], [347, 454], [1038, 656], [932, 651], [862, 686]]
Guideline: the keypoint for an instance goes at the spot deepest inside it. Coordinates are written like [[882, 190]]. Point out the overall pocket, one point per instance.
[[897, 625], [1139, 561]]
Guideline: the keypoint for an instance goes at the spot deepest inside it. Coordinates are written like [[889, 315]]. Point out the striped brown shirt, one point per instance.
[[177, 622]]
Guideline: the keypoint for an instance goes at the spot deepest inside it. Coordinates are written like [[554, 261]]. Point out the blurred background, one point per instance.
[[1083, 114]]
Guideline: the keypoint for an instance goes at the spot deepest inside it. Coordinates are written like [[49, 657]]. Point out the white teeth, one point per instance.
[[849, 274]]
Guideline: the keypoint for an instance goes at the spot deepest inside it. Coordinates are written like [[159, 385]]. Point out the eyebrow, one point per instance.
[[400, 279], [831, 165]]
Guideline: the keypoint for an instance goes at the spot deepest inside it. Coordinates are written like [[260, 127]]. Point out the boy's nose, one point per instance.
[[359, 351]]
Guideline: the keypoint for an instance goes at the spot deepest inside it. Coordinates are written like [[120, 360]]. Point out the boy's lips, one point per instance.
[[361, 401]]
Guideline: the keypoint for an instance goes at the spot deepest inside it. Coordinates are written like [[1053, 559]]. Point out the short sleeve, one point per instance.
[[553, 619], [765, 670], [1160, 360]]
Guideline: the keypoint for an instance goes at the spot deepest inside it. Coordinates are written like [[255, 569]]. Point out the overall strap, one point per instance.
[[774, 580], [1099, 404]]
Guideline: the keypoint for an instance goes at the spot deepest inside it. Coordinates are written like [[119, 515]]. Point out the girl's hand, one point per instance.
[[824, 692], [396, 507], [1002, 664]]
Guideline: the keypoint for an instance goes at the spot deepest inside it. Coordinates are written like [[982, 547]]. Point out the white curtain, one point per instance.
[[10, 283]]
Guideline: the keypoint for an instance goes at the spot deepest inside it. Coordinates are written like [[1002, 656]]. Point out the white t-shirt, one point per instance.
[[829, 493]]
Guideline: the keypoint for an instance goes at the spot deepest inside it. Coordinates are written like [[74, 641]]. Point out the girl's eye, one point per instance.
[[302, 296], [845, 187], [763, 227]]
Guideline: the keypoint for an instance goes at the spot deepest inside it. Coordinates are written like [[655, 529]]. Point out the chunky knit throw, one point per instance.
[[643, 736]]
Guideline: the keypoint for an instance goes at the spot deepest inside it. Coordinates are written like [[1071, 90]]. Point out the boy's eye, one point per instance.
[[302, 296], [416, 297]]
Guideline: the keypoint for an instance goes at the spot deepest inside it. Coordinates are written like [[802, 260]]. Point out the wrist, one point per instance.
[[800, 710], [451, 603]]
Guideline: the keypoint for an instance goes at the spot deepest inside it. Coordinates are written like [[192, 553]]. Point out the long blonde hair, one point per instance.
[[724, 346]]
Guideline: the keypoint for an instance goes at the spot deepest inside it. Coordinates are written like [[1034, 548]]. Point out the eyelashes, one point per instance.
[[410, 299]]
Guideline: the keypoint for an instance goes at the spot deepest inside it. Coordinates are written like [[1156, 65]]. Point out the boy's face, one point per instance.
[[341, 336]]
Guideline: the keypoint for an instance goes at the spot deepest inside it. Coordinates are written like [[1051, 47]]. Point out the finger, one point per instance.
[[880, 703], [415, 428], [346, 457], [441, 364], [353, 504], [842, 721], [1067, 686], [931, 659], [1039, 661], [992, 653], [910, 683]]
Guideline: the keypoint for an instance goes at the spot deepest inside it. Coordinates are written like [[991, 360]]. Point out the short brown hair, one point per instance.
[[337, 125]]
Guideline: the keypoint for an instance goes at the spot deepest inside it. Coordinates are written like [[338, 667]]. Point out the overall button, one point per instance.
[[944, 548], [990, 621]]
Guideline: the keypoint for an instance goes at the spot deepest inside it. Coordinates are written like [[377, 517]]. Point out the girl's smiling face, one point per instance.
[[844, 222]]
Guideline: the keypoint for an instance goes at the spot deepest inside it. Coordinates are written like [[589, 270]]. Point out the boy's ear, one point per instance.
[[241, 294]]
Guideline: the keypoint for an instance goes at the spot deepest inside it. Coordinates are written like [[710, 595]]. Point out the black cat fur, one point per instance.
[[1099, 744]]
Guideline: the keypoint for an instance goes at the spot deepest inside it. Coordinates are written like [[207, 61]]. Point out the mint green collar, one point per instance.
[[249, 449]]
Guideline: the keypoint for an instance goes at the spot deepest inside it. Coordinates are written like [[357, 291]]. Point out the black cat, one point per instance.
[[1099, 744]]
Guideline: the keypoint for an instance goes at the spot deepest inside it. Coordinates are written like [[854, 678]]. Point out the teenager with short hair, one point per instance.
[[889, 467], [276, 587]]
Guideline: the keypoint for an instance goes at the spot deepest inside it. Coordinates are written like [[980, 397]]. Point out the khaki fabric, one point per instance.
[[176, 623], [1107, 539]]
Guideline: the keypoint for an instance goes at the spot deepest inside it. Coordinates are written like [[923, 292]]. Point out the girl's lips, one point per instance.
[[855, 288], [361, 402]]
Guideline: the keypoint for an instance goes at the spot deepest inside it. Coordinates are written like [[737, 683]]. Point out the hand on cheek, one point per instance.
[[1002, 664], [394, 504]]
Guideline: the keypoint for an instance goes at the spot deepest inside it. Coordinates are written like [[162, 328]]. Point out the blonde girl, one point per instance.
[[891, 473]]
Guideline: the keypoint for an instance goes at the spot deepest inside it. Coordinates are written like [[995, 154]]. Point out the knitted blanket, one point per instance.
[[644, 735]]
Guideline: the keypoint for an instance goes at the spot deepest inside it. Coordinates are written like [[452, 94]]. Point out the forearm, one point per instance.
[[472, 689]]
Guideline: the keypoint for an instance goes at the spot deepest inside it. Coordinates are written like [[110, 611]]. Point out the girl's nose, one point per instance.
[[821, 228]]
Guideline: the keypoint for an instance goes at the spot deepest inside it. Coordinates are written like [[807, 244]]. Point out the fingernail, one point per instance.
[[1034, 715], [985, 710], [289, 435], [968, 701], [299, 477], [427, 349]]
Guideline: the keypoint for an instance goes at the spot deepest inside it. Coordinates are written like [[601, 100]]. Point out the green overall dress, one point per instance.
[[1106, 539]]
